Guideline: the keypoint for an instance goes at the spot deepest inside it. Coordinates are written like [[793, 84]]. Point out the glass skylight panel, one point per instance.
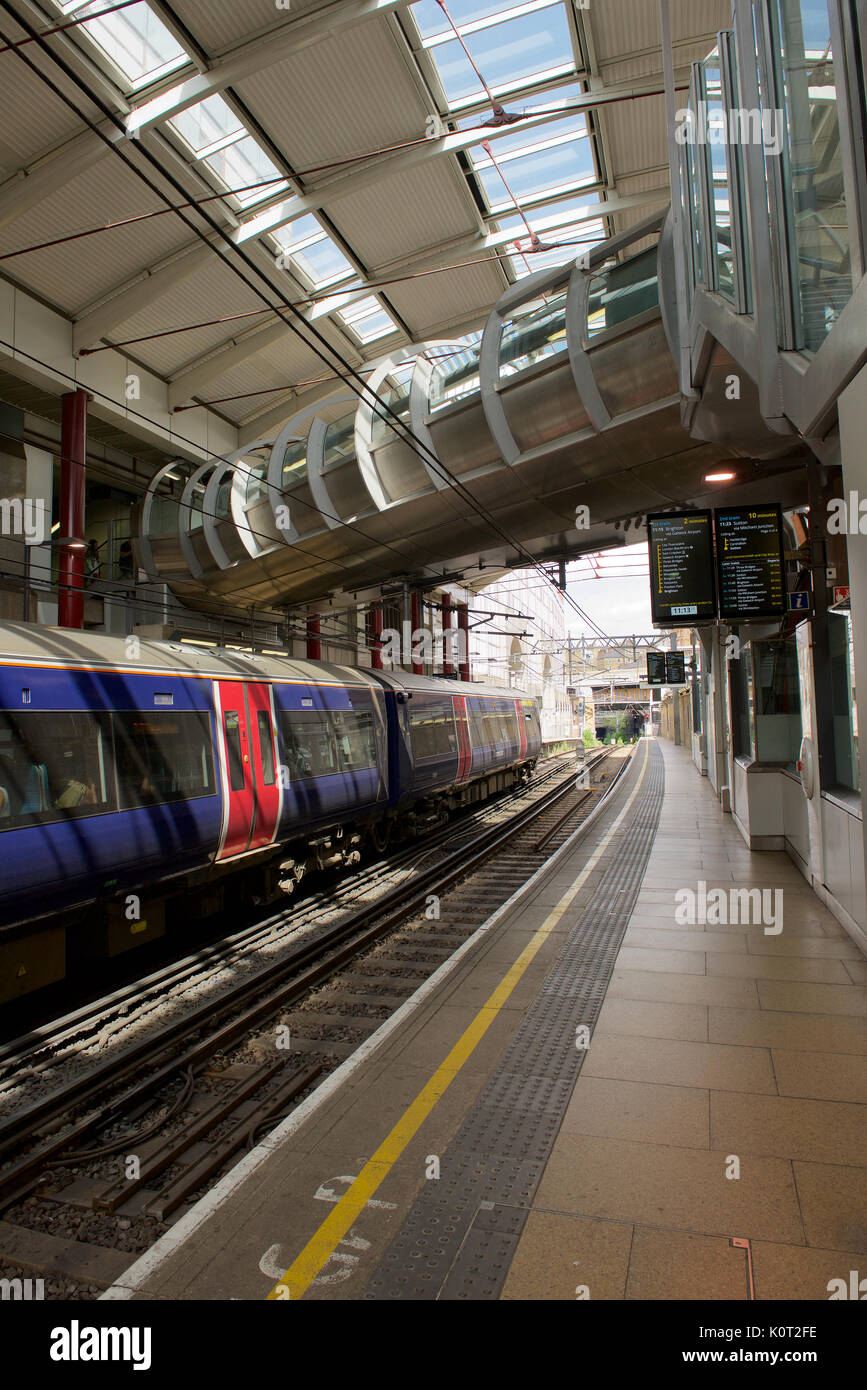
[[135, 40], [322, 262], [367, 320], [431, 20], [561, 166], [207, 123], [507, 54], [242, 164], [303, 229], [556, 214], [313, 252]]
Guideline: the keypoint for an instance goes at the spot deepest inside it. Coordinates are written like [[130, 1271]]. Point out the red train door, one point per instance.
[[522, 730], [264, 755], [465, 752], [246, 741]]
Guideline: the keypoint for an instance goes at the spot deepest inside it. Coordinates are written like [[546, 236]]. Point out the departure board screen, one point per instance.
[[750, 567], [675, 668], [681, 568], [656, 668]]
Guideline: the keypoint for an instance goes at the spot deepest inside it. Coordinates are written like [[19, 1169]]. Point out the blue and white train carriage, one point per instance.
[[189, 768]]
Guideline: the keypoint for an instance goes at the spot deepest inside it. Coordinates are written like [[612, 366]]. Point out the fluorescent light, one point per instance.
[[720, 477]]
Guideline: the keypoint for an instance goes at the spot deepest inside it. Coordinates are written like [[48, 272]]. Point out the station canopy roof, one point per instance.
[[348, 156]]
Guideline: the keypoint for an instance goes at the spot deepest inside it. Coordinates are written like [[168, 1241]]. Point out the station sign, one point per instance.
[[751, 570], [799, 601], [682, 589]]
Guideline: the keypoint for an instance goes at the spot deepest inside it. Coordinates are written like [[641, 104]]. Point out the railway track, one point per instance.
[[97, 1167], [28, 1050]]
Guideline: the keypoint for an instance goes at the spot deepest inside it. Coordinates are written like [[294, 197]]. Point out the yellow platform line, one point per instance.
[[322, 1244]]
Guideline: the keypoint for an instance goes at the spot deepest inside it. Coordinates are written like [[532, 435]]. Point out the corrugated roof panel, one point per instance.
[[450, 297], [73, 275], [286, 364], [32, 119], [210, 292], [404, 215], [221, 24], [627, 29], [345, 97], [637, 136]]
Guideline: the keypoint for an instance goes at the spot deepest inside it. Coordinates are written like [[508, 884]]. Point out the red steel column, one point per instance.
[[417, 666], [464, 626], [376, 638], [448, 668], [73, 453], [314, 646]]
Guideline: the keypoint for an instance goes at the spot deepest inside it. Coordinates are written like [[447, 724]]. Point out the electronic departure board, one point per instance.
[[750, 565], [656, 668], [681, 568], [675, 668]]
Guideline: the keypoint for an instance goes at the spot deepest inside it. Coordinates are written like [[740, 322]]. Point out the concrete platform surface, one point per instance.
[[708, 1143]]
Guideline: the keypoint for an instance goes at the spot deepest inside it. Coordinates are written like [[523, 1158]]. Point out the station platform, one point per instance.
[[592, 1099]]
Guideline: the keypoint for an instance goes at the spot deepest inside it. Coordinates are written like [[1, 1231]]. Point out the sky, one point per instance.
[[619, 600]]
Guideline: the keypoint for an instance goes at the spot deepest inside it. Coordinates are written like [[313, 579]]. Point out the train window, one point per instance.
[[266, 747], [52, 765], [164, 757], [356, 741], [308, 743], [432, 723], [232, 725], [477, 726]]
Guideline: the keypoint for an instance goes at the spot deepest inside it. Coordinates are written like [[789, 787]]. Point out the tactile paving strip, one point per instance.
[[457, 1241]]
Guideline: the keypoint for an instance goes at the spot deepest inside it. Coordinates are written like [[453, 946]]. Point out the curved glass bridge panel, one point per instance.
[[159, 544], [622, 292], [191, 521], [300, 516], [533, 334], [251, 509], [393, 467], [544, 406], [349, 490], [454, 376], [568, 390]]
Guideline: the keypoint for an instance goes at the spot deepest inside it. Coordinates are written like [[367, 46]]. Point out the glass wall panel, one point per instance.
[[844, 709], [294, 463], [394, 393], [694, 207], [455, 375], [537, 331], [340, 440], [719, 151], [807, 76], [741, 685], [623, 292], [777, 701]]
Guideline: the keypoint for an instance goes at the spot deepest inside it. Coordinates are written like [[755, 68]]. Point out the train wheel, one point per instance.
[[381, 836]]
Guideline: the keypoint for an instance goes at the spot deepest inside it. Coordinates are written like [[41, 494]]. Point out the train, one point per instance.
[[139, 777]]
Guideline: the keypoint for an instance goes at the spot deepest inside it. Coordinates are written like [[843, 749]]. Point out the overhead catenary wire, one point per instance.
[[376, 404]]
